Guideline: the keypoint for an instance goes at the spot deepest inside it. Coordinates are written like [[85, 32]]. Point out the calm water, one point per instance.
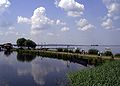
[[27, 70]]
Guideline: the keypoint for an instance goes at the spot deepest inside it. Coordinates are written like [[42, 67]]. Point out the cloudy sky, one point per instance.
[[60, 21]]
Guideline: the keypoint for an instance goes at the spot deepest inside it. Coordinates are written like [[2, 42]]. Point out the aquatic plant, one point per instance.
[[106, 75]]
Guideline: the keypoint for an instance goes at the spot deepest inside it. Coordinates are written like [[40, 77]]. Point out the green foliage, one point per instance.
[[20, 42], [60, 50], [29, 43], [108, 53], [106, 75], [26, 43], [117, 55], [93, 51], [77, 51], [66, 50], [70, 51]]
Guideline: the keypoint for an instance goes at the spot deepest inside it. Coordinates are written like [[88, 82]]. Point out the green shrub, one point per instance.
[[70, 51], [77, 51], [65, 50], [108, 53], [117, 55], [106, 75], [93, 51], [60, 50]]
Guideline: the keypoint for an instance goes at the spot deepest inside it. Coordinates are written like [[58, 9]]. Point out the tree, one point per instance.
[[30, 44], [77, 51], [20, 42], [93, 51], [108, 53], [60, 50]]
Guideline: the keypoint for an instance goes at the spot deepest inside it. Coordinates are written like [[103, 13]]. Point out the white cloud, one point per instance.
[[64, 29], [58, 22], [74, 13], [113, 13], [21, 19], [84, 25], [39, 21], [11, 28], [4, 4], [73, 8], [113, 9], [11, 31], [108, 24]]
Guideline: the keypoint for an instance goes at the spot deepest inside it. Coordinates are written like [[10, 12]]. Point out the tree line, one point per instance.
[[22, 42]]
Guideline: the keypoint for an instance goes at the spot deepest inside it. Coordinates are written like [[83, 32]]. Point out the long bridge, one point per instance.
[[66, 45]]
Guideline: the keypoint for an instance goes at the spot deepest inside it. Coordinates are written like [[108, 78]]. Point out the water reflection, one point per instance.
[[32, 70], [83, 61], [25, 57], [7, 53]]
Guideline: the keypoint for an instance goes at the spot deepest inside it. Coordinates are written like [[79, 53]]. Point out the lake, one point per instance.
[[29, 70]]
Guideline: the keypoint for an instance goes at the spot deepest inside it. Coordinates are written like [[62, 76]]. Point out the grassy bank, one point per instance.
[[72, 57], [106, 75]]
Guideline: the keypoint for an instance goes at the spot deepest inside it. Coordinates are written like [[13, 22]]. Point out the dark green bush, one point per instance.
[[93, 51], [60, 50], [108, 53], [65, 50], [117, 55], [77, 51], [70, 51]]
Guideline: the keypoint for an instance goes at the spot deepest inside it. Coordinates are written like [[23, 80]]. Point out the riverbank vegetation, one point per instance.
[[117, 55], [65, 56], [93, 51], [106, 75]]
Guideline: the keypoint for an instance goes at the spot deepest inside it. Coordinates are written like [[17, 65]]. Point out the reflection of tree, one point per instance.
[[25, 57], [7, 53], [68, 65]]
